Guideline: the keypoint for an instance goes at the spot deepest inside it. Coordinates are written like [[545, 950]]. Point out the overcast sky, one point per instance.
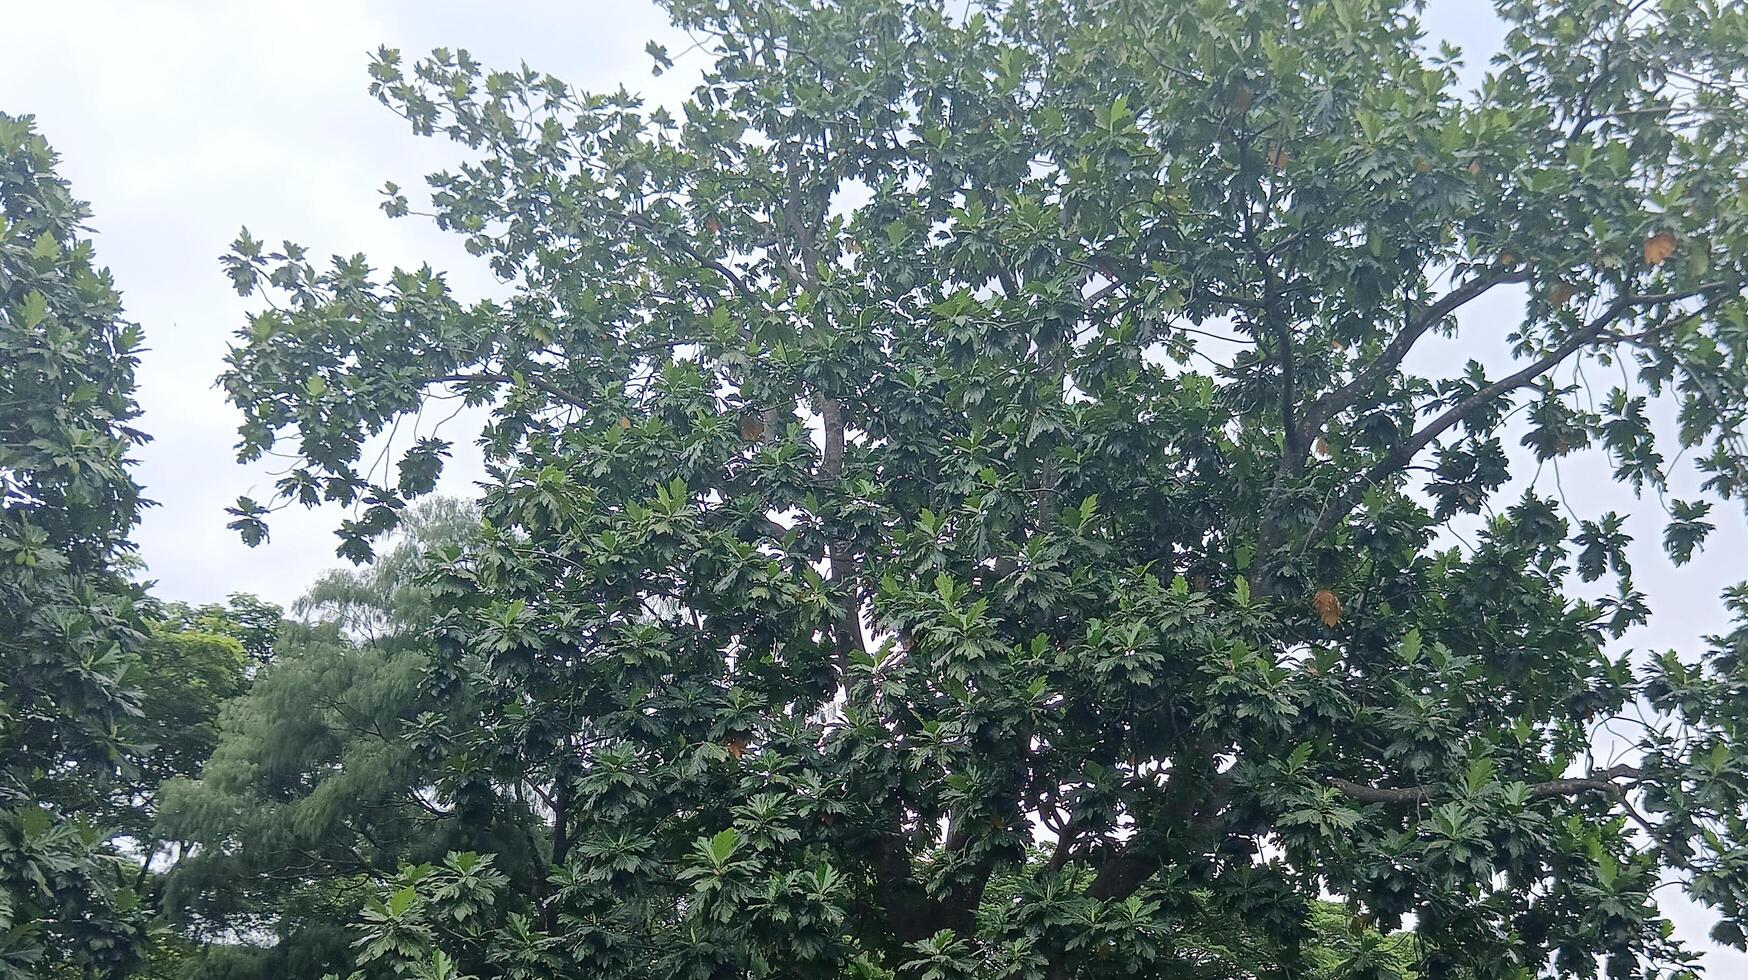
[[183, 121]]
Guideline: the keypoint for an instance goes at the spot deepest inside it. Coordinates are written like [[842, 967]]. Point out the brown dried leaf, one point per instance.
[[1659, 247], [1328, 607]]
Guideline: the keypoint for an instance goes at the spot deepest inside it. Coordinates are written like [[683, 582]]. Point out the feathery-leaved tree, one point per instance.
[[317, 785], [976, 443]]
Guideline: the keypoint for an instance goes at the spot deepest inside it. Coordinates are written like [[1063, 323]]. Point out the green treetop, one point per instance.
[[976, 443]]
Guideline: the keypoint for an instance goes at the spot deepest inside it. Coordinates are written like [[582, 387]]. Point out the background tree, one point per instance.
[[182, 677], [248, 619], [319, 784], [951, 435], [68, 632], [193, 660]]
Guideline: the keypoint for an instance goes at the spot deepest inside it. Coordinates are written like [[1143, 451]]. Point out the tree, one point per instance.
[[191, 663], [68, 632], [183, 678], [248, 619], [317, 783], [951, 436]]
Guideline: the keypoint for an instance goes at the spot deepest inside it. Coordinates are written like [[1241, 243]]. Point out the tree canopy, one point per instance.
[[1023, 489], [1014, 446]]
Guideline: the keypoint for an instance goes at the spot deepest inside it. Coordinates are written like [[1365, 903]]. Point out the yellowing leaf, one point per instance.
[[45, 246], [1659, 247]]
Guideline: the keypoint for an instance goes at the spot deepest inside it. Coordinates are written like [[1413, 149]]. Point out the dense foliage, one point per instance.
[[318, 787], [105, 693], [68, 632], [972, 494], [969, 449]]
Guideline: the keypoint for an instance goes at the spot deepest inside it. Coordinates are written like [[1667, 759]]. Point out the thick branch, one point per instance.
[[1064, 846], [843, 567], [1405, 451], [1275, 320], [1393, 354], [1196, 796], [1293, 442], [561, 839], [908, 912]]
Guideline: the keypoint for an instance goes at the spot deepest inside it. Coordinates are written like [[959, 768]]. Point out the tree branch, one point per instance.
[[1602, 779], [843, 567], [1064, 845], [1405, 451], [1195, 799], [1275, 320], [674, 239], [495, 377], [1332, 402]]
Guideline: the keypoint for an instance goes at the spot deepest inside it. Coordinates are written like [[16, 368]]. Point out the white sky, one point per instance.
[[183, 121]]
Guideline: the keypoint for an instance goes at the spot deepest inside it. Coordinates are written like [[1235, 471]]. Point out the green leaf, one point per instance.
[[1300, 755], [1409, 648], [723, 845], [34, 310], [401, 900], [34, 822], [1481, 774]]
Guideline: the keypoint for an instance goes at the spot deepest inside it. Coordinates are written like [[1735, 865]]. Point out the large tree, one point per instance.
[[68, 633], [962, 505]]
